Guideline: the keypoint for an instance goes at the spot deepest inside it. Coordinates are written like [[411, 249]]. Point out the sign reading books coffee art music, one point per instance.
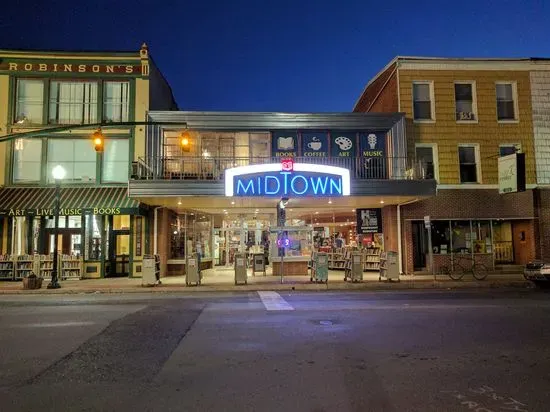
[[511, 173], [373, 144], [284, 143], [342, 144], [315, 144], [304, 180], [369, 221]]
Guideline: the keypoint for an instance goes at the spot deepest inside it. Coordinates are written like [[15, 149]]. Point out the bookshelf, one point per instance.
[[46, 266], [23, 266], [337, 259], [6, 267], [71, 267], [372, 259]]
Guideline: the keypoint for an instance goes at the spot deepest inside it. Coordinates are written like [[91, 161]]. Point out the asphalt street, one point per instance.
[[267, 351]]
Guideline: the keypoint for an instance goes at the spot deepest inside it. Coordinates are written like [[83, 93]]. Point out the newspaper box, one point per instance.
[[258, 263], [148, 275], [240, 269], [192, 272], [354, 270], [319, 267]]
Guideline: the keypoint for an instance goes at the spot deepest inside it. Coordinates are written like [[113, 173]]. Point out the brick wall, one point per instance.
[[381, 94]]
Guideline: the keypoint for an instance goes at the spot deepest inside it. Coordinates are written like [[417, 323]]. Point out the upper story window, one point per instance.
[[468, 156], [77, 156], [423, 107], [508, 149], [506, 101], [27, 156], [115, 160], [29, 102], [116, 101], [73, 102], [465, 101], [426, 157]]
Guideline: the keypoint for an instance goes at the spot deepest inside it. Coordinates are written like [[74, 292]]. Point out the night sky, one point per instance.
[[261, 55]]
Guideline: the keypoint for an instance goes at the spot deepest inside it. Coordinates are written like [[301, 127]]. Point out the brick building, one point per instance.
[[461, 116]]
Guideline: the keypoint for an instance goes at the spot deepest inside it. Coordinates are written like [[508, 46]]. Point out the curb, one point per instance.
[[340, 286]]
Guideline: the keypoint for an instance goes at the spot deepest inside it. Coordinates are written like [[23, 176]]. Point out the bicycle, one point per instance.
[[459, 268]]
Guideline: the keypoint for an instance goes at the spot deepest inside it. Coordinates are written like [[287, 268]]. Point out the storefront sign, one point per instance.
[[68, 67], [315, 144], [67, 211], [285, 143], [511, 173], [271, 180], [373, 145], [342, 144], [369, 221]]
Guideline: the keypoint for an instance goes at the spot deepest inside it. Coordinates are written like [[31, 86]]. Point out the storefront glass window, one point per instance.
[[189, 233], [75, 222], [481, 236], [115, 160], [94, 228], [50, 222], [77, 156], [441, 237], [121, 222], [27, 156], [462, 236], [36, 229]]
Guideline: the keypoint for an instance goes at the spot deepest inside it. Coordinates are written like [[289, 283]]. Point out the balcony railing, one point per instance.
[[209, 168]]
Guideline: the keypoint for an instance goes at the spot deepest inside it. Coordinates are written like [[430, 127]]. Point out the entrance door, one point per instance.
[[420, 247], [68, 241], [522, 242], [119, 254]]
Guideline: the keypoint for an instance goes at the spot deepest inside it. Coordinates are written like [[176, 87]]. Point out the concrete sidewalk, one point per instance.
[[222, 280]]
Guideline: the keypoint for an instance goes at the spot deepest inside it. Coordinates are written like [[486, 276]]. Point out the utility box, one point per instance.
[[192, 272], [240, 268], [354, 270]]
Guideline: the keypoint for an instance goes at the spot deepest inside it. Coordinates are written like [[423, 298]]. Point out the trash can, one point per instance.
[[192, 272], [240, 268], [354, 268], [319, 267], [258, 263]]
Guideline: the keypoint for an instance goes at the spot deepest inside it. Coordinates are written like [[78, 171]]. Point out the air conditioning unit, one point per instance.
[[465, 116]]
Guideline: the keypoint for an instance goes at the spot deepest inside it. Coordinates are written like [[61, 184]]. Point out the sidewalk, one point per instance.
[[222, 280]]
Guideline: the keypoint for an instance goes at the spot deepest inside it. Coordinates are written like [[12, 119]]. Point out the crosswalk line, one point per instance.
[[274, 301]]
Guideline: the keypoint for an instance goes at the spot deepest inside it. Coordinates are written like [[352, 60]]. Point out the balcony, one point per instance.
[[212, 169]]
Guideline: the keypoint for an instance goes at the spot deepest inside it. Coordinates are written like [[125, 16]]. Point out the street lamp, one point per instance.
[[58, 174]]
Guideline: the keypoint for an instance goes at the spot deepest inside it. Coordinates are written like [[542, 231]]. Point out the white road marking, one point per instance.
[[274, 301], [53, 324]]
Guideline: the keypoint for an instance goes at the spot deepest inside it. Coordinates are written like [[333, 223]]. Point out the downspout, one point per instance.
[[155, 229], [399, 245]]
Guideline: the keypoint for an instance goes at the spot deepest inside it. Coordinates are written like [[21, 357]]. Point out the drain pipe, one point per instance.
[[399, 245], [155, 230]]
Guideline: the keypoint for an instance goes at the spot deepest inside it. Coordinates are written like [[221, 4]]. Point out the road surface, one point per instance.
[[265, 351]]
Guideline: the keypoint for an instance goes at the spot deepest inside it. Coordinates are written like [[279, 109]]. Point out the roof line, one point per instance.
[[386, 67]]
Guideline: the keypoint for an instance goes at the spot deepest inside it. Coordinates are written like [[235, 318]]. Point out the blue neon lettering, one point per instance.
[[260, 186], [285, 186], [317, 183], [266, 185], [306, 186], [336, 184], [240, 186]]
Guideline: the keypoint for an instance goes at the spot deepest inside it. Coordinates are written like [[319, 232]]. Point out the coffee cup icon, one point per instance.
[[315, 144]]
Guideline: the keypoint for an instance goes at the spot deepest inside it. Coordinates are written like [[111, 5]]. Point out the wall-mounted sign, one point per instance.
[[372, 144], [68, 211], [369, 221], [342, 144], [271, 180], [69, 67], [511, 173], [285, 143], [315, 144]]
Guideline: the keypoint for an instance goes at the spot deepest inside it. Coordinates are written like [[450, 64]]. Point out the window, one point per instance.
[[30, 101], [468, 156], [426, 157], [27, 160], [462, 236], [116, 98], [115, 160], [422, 101], [73, 102], [77, 156], [465, 101], [92, 237], [508, 149], [441, 237], [506, 101]]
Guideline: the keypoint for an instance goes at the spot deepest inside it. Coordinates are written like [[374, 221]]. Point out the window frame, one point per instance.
[[514, 85], [46, 157], [15, 100], [435, 156], [478, 163], [103, 103], [430, 83], [102, 160], [473, 84], [516, 146]]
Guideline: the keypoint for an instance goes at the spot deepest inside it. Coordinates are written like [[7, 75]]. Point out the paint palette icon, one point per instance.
[[343, 143]]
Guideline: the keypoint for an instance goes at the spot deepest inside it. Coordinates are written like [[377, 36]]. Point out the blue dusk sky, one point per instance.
[[254, 55]]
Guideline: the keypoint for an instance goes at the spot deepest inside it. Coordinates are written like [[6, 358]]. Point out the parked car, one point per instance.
[[538, 273]]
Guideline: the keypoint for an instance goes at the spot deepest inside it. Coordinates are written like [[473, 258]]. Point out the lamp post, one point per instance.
[[58, 174]]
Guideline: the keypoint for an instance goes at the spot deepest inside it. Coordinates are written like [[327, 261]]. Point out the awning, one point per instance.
[[16, 201]]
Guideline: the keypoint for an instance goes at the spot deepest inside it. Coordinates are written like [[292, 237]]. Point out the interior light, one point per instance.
[[179, 203], [382, 202]]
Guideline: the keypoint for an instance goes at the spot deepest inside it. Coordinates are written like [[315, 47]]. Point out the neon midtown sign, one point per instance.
[[273, 179]]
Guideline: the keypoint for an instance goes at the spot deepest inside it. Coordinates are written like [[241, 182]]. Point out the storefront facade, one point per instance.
[[220, 192], [462, 116], [48, 99]]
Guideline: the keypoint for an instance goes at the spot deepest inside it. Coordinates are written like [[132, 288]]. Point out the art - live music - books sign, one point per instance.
[[287, 179]]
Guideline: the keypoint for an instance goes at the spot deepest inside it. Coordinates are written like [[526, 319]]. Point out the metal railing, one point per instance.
[[504, 252], [210, 168]]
